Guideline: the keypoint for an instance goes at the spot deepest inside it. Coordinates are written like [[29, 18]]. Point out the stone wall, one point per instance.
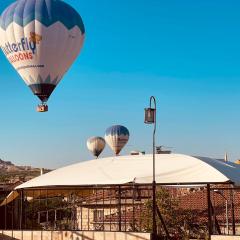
[[221, 237], [71, 235]]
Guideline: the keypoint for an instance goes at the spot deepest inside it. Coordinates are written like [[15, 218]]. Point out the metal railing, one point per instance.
[[182, 212]]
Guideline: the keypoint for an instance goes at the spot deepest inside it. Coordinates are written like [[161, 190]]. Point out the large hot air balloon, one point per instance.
[[96, 145], [41, 39], [117, 136]]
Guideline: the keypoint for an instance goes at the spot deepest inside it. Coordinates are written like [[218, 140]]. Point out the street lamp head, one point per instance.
[[150, 115]]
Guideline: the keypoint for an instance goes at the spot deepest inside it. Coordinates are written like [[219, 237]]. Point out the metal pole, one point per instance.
[[21, 210], [227, 216], [119, 210], [209, 211], [154, 178], [5, 214], [233, 213]]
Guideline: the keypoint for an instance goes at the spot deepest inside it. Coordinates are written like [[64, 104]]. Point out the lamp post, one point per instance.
[[150, 118]]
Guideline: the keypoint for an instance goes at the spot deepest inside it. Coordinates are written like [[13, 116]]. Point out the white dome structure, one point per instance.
[[170, 169]]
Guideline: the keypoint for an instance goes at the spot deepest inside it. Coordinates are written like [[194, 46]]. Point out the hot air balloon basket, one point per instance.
[[42, 108]]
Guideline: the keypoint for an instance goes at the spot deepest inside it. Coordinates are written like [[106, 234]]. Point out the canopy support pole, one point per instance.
[[209, 212], [232, 212], [21, 209], [119, 209]]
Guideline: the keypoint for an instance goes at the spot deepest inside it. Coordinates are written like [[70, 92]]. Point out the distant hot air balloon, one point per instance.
[[117, 136], [41, 39], [96, 145], [237, 162]]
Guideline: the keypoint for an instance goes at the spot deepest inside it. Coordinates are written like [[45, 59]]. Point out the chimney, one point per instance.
[[226, 157], [41, 171]]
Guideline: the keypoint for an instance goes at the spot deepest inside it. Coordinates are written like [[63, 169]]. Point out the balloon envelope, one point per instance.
[[96, 145], [41, 39], [117, 136]]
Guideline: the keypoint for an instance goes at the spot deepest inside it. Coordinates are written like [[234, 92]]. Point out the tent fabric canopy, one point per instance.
[[10, 197], [170, 169]]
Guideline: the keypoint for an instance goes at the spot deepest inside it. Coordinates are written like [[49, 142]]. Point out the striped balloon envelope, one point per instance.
[[96, 145], [117, 137], [41, 39]]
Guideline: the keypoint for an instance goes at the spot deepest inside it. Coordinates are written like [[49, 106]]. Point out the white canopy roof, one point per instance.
[[170, 169]]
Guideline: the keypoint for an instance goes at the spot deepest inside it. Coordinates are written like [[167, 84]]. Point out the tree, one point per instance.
[[181, 224]]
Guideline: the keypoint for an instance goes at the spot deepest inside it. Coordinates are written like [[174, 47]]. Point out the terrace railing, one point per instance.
[[183, 212]]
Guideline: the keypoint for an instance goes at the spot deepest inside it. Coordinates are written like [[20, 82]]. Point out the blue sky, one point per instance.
[[186, 53]]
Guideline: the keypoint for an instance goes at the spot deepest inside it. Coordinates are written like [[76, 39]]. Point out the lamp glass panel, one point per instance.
[[149, 115]]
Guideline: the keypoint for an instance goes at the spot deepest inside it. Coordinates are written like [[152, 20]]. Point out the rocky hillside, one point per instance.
[[10, 173], [8, 167]]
